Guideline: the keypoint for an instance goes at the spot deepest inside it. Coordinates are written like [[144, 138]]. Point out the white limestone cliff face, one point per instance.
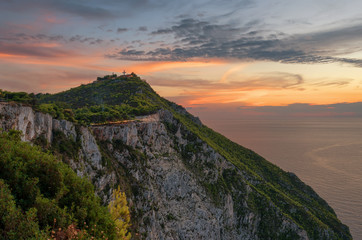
[[36, 124], [23, 118], [66, 127], [171, 188], [172, 200]]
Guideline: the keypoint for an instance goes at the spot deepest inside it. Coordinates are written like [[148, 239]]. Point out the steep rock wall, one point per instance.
[[175, 200], [35, 125], [172, 178]]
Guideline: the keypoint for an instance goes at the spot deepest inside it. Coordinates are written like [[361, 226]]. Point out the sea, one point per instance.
[[325, 153]]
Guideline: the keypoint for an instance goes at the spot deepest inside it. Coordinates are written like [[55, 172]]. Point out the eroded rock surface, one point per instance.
[[177, 185]]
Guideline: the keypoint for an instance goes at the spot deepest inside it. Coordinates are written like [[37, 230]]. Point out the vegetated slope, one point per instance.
[[294, 198], [40, 196], [270, 184], [111, 99]]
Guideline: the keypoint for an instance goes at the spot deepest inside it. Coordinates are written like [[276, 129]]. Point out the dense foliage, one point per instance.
[[108, 99], [40, 195], [22, 97]]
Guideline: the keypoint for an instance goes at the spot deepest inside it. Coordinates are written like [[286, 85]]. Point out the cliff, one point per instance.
[[182, 183]]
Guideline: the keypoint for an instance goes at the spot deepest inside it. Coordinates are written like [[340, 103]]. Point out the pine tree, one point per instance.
[[120, 213]]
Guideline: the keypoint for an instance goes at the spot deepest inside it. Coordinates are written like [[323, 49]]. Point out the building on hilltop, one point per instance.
[[127, 75], [114, 76]]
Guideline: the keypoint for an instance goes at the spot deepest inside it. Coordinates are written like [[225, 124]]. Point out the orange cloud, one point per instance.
[[224, 96], [150, 67], [45, 45], [261, 96], [231, 71], [6, 55], [52, 54]]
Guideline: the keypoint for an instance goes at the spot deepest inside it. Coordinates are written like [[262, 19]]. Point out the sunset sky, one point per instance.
[[226, 54]]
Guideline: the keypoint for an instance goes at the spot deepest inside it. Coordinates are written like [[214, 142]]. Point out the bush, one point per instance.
[[37, 189]]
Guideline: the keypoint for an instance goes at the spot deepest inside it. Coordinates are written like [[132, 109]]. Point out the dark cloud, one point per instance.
[[91, 9], [132, 54], [202, 39], [82, 39], [330, 38], [332, 83], [355, 62], [122, 30], [87, 9], [22, 38], [142, 29], [162, 31], [217, 36], [42, 45], [105, 28]]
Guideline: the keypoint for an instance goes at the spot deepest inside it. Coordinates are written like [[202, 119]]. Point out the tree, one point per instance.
[[39, 193], [120, 214]]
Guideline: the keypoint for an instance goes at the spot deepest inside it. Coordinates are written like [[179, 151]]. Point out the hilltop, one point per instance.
[[184, 179], [109, 98]]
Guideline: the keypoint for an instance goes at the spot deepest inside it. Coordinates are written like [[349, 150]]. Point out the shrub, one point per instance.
[[37, 188]]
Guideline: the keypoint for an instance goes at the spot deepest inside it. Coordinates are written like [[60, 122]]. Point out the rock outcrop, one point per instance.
[[178, 186]]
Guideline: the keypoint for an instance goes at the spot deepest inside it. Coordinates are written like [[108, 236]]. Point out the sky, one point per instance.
[[253, 57]]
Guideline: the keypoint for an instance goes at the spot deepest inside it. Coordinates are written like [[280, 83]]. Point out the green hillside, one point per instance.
[[294, 198], [118, 98], [108, 99], [133, 96]]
